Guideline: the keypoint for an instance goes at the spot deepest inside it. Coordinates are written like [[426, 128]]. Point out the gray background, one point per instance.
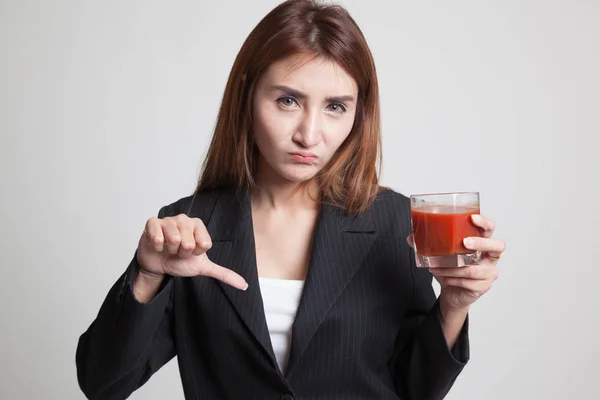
[[106, 109]]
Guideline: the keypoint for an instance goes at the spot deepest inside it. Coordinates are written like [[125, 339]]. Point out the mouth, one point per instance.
[[306, 158]]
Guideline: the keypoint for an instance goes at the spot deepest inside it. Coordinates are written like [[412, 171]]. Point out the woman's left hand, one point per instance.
[[462, 286]]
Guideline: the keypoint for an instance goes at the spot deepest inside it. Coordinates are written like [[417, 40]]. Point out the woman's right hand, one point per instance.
[[177, 246]]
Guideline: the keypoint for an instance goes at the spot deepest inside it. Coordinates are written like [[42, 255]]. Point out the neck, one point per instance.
[[277, 193], [288, 197]]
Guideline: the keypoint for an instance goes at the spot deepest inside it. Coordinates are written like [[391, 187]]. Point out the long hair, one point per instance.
[[350, 179]]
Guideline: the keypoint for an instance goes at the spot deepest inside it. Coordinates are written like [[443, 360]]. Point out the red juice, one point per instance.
[[439, 230]]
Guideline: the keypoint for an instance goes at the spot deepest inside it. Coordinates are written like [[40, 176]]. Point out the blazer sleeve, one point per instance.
[[423, 366], [128, 341]]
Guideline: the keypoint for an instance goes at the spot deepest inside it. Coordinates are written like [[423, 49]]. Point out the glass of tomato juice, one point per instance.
[[440, 222]]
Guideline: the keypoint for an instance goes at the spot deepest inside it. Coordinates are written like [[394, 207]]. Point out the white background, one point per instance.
[[106, 109]]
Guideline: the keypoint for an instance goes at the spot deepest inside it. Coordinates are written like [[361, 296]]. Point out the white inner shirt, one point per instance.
[[280, 298]]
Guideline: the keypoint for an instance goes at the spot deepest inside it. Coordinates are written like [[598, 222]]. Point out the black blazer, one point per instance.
[[367, 327]]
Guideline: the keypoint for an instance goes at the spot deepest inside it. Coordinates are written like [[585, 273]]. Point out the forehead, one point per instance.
[[311, 75]]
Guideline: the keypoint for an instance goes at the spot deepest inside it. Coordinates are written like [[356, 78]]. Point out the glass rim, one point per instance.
[[443, 194]]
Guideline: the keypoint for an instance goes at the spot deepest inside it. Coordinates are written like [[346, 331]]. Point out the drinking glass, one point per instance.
[[440, 222]]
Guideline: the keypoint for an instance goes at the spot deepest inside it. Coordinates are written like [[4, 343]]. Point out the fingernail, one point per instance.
[[476, 217], [244, 289], [469, 242]]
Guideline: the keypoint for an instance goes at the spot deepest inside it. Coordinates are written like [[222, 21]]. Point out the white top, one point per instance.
[[280, 298]]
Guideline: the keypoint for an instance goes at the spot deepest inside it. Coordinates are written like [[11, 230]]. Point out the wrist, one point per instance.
[[450, 312], [148, 276], [146, 285]]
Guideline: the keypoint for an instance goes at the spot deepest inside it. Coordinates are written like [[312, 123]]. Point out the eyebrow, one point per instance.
[[300, 95]]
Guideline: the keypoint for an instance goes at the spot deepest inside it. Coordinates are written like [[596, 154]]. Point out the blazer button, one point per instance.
[[287, 397]]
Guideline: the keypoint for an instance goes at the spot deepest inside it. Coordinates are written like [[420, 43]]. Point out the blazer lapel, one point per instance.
[[340, 245], [231, 231]]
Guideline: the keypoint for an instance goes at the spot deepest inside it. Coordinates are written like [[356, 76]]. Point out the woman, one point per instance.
[[287, 274]]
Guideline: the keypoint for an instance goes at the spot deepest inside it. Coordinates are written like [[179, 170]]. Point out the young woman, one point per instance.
[[287, 274]]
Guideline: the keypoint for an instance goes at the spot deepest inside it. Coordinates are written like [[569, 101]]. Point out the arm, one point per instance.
[[146, 286], [452, 323], [425, 365], [432, 344], [129, 340]]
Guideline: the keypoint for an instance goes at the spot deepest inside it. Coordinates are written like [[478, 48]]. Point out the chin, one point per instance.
[[298, 174]]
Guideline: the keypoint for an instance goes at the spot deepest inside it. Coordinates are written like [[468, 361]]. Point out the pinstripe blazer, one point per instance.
[[367, 326]]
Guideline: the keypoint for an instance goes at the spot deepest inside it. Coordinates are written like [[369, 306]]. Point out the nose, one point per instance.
[[310, 129]]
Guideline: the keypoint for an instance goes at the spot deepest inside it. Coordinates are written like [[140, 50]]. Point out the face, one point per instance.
[[303, 111]]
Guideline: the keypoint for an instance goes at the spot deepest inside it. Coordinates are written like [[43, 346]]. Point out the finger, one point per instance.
[[469, 284], [201, 236], [172, 235], [485, 244], [411, 241], [474, 272], [186, 230], [153, 232], [486, 224], [224, 275]]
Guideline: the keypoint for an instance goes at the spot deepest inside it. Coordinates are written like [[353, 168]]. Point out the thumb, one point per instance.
[[225, 275]]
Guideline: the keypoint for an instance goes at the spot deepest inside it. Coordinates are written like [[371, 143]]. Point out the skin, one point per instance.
[[301, 106], [308, 109]]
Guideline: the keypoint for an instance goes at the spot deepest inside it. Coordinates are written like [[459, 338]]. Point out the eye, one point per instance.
[[337, 108], [287, 101]]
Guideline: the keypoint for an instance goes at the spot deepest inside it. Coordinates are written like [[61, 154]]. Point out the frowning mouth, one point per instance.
[[307, 158]]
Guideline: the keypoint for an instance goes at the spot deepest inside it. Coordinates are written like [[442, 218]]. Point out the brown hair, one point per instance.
[[350, 179]]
